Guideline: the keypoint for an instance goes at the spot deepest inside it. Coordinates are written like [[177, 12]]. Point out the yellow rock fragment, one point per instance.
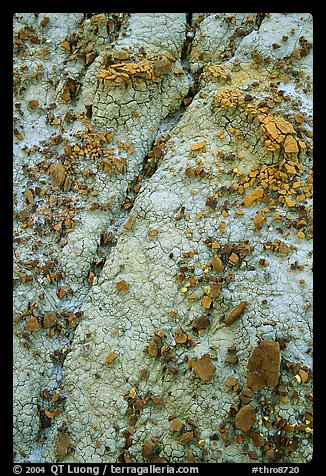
[[200, 145], [283, 125], [290, 169], [133, 393], [252, 196], [289, 202], [285, 399], [304, 375], [111, 357], [259, 219], [290, 145], [164, 347], [130, 222], [298, 118], [206, 302], [222, 227], [234, 258]]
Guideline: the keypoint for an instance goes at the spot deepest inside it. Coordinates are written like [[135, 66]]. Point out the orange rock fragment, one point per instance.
[[176, 425], [152, 349], [231, 381], [235, 313], [259, 219], [32, 324], [203, 367], [57, 173], [264, 365], [206, 302], [130, 222], [252, 196], [200, 145], [111, 357], [180, 338], [217, 264], [49, 319], [290, 145], [245, 418], [122, 285]]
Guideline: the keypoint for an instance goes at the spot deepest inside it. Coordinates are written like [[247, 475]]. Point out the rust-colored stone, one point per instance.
[[187, 436], [217, 264], [33, 103], [264, 365], [176, 425], [32, 324], [231, 381], [122, 285], [245, 418], [57, 173], [214, 290], [204, 368], [201, 323], [235, 313], [152, 349], [148, 449], [130, 222], [256, 438], [63, 444], [246, 395], [120, 55], [162, 66], [49, 319]]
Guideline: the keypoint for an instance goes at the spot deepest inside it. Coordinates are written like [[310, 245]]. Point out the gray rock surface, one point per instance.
[[163, 175]]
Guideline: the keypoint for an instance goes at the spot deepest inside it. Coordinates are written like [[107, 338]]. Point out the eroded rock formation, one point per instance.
[[163, 237]]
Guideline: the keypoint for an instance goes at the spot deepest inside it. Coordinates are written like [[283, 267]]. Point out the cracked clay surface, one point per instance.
[[163, 229]]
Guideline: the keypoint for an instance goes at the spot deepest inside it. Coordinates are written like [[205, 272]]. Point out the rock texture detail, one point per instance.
[[163, 229]]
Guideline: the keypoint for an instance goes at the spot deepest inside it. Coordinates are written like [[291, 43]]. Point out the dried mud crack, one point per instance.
[[163, 227]]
